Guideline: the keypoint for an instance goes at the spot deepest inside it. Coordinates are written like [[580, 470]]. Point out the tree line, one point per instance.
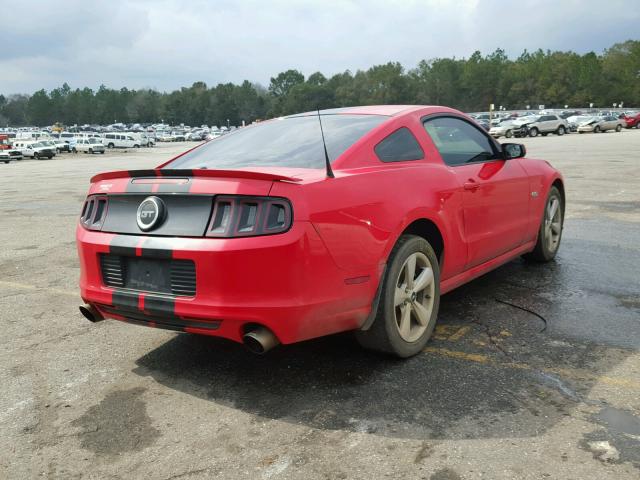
[[554, 79]]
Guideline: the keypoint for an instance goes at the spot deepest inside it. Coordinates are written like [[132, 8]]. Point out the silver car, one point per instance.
[[601, 124]]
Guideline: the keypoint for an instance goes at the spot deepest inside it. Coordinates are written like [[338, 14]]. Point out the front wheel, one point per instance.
[[90, 151], [619, 128], [597, 129], [550, 232], [409, 302], [561, 130], [533, 132], [509, 134]]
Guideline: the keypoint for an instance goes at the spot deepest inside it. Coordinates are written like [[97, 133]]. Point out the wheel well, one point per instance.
[[560, 186], [429, 231]]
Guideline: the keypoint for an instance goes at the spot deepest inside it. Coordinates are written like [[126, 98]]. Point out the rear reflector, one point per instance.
[[240, 216]]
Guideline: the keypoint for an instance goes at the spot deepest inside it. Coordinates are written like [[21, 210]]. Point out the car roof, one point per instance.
[[387, 110]]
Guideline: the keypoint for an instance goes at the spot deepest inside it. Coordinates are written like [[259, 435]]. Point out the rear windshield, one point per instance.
[[284, 142]]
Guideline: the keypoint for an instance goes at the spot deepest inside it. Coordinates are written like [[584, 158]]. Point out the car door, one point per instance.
[[495, 191], [549, 123]]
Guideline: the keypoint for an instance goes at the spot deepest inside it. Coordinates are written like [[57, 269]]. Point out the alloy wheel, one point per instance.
[[553, 224], [414, 297]]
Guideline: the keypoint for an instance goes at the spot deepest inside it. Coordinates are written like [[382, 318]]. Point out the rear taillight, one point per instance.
[[239, 216], [94, 212]]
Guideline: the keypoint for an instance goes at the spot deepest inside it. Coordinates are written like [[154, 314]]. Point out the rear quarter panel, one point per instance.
[[541, 177], [360, 215]]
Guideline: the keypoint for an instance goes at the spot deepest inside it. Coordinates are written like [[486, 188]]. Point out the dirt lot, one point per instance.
[[499, 393]]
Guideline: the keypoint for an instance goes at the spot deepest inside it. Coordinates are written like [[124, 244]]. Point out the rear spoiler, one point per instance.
[[161, 173]]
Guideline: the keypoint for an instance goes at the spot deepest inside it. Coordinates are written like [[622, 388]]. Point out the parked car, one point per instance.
[[601, 124], [34, 149], [632, 119], [575, 120], [10, 155], [140, 138], [61, 145], [505, 129], [89, 145], [165, 137], [51, 144], [304, 239], [119, 140], [546, 124]]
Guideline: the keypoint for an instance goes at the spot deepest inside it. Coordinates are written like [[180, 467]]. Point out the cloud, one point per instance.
[[171, 43]]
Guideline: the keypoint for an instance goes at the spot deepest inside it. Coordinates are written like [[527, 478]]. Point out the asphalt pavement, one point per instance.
[[533, 372]]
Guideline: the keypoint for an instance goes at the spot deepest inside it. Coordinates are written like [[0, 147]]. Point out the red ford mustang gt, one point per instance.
[[346, 219]]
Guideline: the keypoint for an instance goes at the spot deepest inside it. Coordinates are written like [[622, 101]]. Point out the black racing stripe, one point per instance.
[[160, 306], [140, 187], [178, 326], [125, 300], [155, 247], [175, 188], [124, 245], [142, 173]]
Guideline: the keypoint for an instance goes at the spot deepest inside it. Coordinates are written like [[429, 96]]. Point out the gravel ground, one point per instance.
[[498, 393]]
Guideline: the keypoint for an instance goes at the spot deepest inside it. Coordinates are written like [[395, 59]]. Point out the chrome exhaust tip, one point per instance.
[[260, 340], [91, 313]]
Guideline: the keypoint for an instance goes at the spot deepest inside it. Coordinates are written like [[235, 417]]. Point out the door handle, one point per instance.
[[471, 185]]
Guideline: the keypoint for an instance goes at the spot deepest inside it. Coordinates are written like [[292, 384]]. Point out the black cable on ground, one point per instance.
[[525, 310]]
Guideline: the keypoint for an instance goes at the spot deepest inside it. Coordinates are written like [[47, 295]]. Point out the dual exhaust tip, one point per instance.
[[258, 340]]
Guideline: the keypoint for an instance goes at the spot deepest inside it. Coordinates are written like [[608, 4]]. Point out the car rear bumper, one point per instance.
[[288, 283]]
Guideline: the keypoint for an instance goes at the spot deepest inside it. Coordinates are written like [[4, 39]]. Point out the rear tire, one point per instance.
[[409, 300], [550, 232]]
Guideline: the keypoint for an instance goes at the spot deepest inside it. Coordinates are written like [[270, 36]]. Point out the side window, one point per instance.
[[459, 142], [399, 146]]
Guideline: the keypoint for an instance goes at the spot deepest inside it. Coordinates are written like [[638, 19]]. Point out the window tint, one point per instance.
[[284, 142], [399, 146], [458, 141]]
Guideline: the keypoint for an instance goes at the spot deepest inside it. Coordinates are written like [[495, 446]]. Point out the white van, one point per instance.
[[141, 139], [119, 140], [30, 135]]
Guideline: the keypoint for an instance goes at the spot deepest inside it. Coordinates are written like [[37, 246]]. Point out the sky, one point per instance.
[[167, 44]]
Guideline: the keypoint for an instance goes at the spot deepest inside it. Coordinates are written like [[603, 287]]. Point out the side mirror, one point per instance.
[[513, 150]]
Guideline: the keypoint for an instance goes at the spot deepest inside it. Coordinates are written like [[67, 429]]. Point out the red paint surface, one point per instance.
[[300, 283]]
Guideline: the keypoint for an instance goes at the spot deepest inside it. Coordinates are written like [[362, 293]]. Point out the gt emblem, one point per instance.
[[534, 194], [151, 213]]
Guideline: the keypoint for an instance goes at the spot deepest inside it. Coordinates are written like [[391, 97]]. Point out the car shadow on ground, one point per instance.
[[492, 370]]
